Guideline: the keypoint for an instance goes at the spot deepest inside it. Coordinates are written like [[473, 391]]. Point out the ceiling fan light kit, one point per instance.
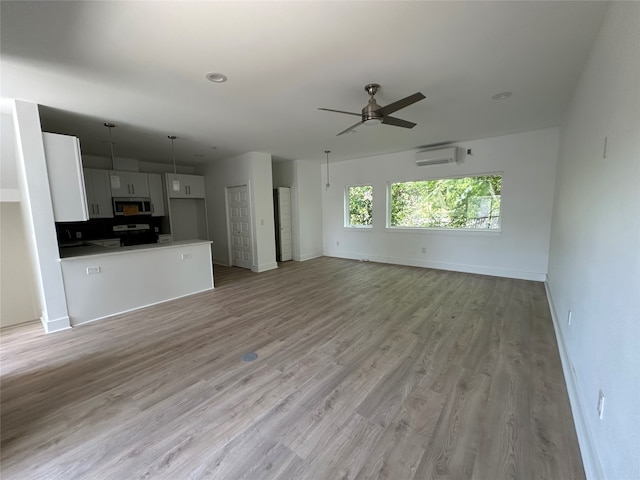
[[374, 114]]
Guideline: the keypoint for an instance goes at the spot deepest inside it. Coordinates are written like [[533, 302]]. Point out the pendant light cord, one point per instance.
[[113, 163], [328, 152], [173, 153]]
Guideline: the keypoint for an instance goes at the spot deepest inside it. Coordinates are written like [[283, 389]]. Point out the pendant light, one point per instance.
[[114, 178], [175, 185], [328, 184]]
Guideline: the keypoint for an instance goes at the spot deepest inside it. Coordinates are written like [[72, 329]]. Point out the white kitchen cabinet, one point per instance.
[[131, 184], [191, 186], [66, 181], [157, 195], [98, 193]]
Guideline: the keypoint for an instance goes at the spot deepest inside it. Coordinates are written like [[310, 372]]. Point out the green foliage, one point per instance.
[[360, 205], [470, 202]]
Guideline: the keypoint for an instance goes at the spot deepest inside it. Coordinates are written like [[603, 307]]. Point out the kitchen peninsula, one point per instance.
[[100, 281], [127, 239]]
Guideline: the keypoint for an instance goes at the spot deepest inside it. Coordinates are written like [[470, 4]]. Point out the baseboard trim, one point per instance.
[[57, 325], [454, 267], [590, 459], [265, 267], [308, 256], [221, 261], [129, 310]]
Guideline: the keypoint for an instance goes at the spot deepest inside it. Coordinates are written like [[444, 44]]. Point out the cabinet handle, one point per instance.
[[98, 208], [133, 189]]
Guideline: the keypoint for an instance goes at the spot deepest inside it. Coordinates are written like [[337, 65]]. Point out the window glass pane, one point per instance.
[[360, 208], [470, 202]]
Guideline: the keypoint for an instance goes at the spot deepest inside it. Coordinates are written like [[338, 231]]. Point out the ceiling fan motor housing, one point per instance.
[[370, 115]]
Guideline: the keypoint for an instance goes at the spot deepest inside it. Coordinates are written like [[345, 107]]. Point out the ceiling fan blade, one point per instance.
[[340, 111], [397, 122], [405, 102], [350, 128]]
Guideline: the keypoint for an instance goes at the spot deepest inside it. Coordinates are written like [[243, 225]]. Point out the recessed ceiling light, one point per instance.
[[502, 95], [216, 77]]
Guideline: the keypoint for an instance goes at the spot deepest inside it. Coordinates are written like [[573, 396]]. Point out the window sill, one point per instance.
[[445, 231], [358, 229]]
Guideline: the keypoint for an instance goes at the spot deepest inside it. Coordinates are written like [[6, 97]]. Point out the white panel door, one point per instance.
[[284, 223], [239, 226]]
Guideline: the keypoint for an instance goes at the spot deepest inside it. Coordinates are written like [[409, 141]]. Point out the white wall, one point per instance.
[[9, 190], [304, 178], [132, 164], [594, 264], [307, 196], [18, 291], [527, 162], [254, 170]]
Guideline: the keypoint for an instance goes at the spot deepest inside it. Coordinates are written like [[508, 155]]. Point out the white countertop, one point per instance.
[[71, 253]]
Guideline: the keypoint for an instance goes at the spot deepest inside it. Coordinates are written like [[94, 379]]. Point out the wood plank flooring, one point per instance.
[[364, 371]]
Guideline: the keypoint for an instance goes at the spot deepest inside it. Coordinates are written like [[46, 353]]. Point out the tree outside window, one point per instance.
[[456, 203], [360, 206]]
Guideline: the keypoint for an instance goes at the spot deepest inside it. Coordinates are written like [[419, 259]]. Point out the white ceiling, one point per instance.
[[142, 66]]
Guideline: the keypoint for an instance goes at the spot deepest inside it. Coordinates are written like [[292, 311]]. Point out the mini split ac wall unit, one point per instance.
[[439, 156]]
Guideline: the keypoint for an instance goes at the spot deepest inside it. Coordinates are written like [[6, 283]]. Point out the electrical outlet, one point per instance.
[[186, 256], [600, 404], [569, 317], [78, 234], [93, 270], [337, 244], [424, 250]]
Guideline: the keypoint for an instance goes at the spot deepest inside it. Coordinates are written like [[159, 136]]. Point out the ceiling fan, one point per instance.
[[373, 113]]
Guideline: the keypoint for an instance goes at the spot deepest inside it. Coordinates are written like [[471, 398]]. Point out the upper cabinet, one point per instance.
[[66, 180], [129, 184], [98, 193], [190, 186], [156, 194]]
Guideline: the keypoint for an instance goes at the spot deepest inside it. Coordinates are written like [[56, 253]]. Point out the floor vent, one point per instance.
[[249, 357]]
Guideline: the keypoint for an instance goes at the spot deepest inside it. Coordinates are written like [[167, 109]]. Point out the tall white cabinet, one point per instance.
[[187, 207], [191, 186]]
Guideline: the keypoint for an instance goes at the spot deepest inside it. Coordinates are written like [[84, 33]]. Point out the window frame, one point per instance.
[[455, 230], [347, 216]]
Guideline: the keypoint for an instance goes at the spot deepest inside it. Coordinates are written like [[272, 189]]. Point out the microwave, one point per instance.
[[131, 206]]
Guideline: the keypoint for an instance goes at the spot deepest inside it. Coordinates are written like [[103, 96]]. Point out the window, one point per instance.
[[453, 203], [359, 211]]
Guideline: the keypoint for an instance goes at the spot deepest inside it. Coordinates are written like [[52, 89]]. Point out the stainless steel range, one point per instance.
[[135, 234]]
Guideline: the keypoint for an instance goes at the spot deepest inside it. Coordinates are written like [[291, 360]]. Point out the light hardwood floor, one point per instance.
[[365, 371]]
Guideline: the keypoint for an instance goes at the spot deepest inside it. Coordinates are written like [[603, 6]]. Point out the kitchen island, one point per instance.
[[100, 282]]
